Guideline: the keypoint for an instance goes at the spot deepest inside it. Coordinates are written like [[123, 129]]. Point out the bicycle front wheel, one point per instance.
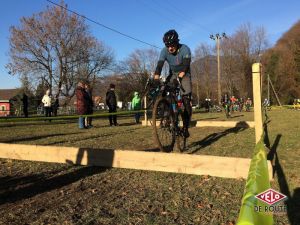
[[163, 125], [181, 141]]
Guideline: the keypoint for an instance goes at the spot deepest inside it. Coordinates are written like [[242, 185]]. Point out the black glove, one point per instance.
[[156, 82], [180, 82], [176, 83]]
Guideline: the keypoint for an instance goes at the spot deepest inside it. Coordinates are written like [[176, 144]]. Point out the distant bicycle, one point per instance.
[[215, 108]]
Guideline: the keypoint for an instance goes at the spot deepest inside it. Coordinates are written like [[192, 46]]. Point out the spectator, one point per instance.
[[248, 104], [90, 105], [47, 103], [225, 101], [207, 104], [82, 102], [25, 105], [233, 104], [136, 105], [111, 102], [241, 104], [55, 106], [266, 103]]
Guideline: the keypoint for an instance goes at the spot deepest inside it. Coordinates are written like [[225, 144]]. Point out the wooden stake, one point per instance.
[[256, 69]]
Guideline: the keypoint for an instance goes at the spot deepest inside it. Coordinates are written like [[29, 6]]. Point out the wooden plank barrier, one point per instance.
[[246, 124], [210, 123], [156, 161]]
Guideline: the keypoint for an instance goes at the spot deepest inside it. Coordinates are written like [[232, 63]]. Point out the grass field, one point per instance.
[[44, 193]]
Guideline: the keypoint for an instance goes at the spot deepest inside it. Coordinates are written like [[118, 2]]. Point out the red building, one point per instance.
[[6, 97]]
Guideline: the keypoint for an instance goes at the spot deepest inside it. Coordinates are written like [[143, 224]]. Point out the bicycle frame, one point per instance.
[[168, 95], [172, 94]]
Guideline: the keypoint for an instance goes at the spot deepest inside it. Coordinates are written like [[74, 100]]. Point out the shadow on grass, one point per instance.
[[196, 146], [127, 124], [39, 183], [236, 116], [40, 122], [95, 136], [210, 118], [34, 138], [8, 181], [293, 201]]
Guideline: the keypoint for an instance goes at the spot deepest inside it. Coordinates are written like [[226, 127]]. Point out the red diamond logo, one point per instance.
[[270, 196]]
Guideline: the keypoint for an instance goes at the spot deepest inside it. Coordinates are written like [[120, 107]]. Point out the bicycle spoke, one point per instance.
[[181, 141]]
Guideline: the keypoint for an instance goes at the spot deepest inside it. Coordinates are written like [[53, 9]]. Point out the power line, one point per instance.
[[107, 27], [151, 6], [184, 15]]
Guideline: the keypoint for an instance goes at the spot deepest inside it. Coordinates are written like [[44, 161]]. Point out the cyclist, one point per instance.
[[178, 57]]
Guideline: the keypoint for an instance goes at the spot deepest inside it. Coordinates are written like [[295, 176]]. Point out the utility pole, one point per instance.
[[269, 90], [217, 37], [270, 82]]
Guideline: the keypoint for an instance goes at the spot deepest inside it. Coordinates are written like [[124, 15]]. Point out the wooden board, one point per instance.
[[245, 124], [210, 123], [256, 82], [155, 161]]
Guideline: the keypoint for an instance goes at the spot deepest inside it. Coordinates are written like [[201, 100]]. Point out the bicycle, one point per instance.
[[215, 108], [165, 117]]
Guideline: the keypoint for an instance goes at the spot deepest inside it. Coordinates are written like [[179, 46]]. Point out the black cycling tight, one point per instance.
[[187, 113]]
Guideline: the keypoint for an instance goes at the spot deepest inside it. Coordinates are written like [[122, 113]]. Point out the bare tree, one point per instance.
[[230, 72], [135, 70], [57, 48], [202, 71], [247, 46]]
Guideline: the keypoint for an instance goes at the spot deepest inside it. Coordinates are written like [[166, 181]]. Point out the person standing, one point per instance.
[[55, 106], [111, 102], [248, 104], [47, 100], [225, 101], [136, 105], [82, 103], [207, 104], [25, 105], [90, 105]]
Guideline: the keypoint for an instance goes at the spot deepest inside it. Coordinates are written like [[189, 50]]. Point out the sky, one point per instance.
[[148, 20]]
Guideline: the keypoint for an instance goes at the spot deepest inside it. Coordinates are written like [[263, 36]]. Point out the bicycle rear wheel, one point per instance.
[[163, 125]]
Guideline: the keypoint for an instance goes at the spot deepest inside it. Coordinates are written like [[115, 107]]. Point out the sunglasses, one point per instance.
[[170, 45]]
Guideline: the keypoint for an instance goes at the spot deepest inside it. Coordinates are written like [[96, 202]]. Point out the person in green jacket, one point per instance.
[[136, 105]]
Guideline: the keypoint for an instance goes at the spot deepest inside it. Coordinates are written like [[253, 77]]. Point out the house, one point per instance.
[[6, 101]]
